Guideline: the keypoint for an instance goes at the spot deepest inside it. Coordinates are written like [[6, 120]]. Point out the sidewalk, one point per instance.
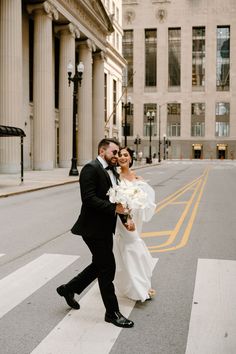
[[10, 184]]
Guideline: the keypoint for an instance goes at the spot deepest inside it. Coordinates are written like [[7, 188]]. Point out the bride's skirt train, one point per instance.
[[134, 264]]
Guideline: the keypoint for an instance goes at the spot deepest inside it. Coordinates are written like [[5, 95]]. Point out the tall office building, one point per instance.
[[181, 58]]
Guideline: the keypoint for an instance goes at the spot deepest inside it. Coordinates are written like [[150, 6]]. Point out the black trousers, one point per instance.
[[103, 268]]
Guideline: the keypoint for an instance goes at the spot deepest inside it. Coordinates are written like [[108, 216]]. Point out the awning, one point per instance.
[[10, 131], [221, 146], [6, 131], [197, 146]]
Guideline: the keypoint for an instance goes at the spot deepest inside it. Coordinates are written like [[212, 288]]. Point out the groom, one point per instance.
[[96, 224]]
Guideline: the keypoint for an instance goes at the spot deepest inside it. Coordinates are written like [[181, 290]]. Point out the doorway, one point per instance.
[[221, 151], [197, 151], [197, 154]]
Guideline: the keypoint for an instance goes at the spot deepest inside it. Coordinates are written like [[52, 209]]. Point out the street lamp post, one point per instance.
[[164, 147], [159, 134], [126, 106], [167, 141], [150, 118], [137, 142], [76, 79]]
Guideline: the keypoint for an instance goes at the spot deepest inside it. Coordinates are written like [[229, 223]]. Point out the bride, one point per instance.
[[134, 263]]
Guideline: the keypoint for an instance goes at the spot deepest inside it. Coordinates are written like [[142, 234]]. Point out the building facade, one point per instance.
[[37, 41], [114, 66], [181, 58]]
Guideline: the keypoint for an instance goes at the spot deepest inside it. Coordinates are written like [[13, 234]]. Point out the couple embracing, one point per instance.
[[99, 219]]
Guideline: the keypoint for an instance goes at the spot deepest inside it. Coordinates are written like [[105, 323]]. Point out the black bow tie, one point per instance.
[[113, 169]]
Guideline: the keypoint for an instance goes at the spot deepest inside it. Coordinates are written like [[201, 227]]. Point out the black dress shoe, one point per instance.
[[118, 320], [69, 297]]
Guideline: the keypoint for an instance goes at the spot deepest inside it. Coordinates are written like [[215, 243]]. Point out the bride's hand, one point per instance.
[[130, 226]]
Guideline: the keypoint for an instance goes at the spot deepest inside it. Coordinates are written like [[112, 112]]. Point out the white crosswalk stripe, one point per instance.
[[2, 254], [213, 318], [20, 284], [212, 323], [82, 332]]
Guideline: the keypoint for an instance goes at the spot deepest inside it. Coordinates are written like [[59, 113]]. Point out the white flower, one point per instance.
[[131, 196]]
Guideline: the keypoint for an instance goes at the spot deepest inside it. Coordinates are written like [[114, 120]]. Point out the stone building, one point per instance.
[[114, 66], [37, 41], [181, 58]]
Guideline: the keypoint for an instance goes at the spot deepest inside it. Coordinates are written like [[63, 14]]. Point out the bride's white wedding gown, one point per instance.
[[134, 263]]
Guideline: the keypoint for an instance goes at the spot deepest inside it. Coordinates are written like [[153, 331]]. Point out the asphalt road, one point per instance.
[[192, 235]]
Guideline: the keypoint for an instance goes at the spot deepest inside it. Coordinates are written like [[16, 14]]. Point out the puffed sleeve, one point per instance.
[[150, 207]]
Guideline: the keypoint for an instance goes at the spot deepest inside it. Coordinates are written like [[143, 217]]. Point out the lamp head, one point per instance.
[[80, 67], [70, 68], [80, 70]]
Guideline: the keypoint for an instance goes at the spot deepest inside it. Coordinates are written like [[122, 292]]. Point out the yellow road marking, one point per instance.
[[179, 190], [180, 222], [183, 202], [156, 233], [186, 234], [171, 200]]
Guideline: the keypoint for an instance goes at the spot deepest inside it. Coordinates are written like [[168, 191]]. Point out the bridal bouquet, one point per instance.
[[131, 196]]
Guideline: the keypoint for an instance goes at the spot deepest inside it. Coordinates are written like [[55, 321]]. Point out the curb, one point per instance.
[[34, 189]]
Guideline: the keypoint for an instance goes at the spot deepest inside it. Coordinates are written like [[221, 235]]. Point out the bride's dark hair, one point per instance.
[[131, 153]]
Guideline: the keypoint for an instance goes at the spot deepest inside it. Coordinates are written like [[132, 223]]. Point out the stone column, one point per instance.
[[98, 100], [10, 81], [43, 117], [68, 34], [85, 105], [26, 89]]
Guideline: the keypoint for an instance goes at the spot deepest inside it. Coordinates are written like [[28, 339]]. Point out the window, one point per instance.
[[173, 119], [150, 57], [198, 119], [114, 101], [198, 56], [174, 56], [56, 63], [149, 107], [127, 48], [129, 120], [222, 119], [223, 58], [117, 41], [31, 58], [117, 14], [105, 97]]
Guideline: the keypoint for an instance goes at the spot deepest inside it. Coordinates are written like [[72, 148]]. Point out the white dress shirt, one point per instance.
[[111, 174]]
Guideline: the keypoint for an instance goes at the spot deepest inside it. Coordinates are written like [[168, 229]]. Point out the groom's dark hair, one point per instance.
[[104, 143]]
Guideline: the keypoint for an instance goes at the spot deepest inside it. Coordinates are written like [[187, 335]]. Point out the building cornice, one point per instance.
[[130, 2], [90, 13]]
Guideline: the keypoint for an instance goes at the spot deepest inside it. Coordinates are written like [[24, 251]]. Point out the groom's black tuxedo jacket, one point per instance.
[[97, 217]]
